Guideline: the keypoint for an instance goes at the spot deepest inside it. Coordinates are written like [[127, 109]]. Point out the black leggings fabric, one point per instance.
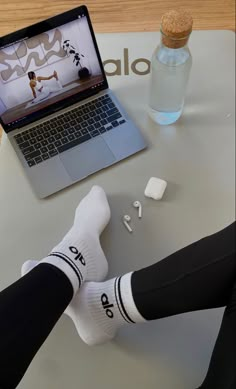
[[29, 309], [200, 276]]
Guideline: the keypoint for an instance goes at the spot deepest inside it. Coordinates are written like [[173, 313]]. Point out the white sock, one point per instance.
[[100, 308], [79, 255]]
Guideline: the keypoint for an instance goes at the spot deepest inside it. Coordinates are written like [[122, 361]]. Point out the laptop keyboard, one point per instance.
[[68, 130]]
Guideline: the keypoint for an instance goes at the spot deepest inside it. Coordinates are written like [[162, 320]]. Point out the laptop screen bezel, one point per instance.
[[37, 29]]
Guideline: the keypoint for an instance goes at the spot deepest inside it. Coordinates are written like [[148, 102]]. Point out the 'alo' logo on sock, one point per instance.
[[106, 305], [79, 256]]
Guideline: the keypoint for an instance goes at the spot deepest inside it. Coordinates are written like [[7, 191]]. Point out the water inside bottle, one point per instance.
[[169, 78]]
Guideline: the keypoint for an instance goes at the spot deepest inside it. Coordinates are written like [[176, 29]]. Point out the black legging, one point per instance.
[[200, 276]]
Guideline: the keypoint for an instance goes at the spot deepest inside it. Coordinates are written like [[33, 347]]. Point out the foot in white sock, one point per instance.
[[99, 308], [79, 255]]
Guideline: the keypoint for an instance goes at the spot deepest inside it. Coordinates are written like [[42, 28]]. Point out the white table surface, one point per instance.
[[197, 158]]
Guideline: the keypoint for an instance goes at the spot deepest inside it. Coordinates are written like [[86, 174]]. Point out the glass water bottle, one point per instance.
[[170, 68]]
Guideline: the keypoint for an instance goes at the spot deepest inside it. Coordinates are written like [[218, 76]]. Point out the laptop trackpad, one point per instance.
[[87, 158]]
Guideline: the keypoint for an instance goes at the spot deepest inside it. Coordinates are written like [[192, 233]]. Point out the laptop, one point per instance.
[[56, 107]]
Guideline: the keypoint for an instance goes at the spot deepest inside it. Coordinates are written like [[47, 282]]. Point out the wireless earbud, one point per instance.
[[126, 220], [138, 205]]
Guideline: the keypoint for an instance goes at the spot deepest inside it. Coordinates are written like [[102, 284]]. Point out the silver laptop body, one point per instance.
[[66, 130]]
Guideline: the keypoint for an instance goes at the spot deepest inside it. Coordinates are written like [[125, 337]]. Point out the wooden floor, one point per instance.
[[116, 16]]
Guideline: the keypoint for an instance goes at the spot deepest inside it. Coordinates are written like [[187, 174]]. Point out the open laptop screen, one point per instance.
[[48, 71]]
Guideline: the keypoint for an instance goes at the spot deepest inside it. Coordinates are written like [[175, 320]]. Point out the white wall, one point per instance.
[[82, 40], [18, 91], [2, 107]]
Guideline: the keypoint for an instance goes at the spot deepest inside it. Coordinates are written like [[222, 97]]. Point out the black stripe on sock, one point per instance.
[[64, 259], [121, 302], [69, 259], [117, 301]]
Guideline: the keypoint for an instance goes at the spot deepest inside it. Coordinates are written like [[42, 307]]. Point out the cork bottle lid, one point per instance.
[[176, 26], [177, 23]]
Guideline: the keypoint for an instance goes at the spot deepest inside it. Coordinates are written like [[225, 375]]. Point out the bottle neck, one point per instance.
[[174, 43]]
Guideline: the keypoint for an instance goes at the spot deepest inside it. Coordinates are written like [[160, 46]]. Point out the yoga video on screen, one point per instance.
[[40, 71]]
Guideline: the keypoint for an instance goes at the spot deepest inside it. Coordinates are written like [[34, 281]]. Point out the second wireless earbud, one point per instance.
[[138, 205], [126, 220]]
